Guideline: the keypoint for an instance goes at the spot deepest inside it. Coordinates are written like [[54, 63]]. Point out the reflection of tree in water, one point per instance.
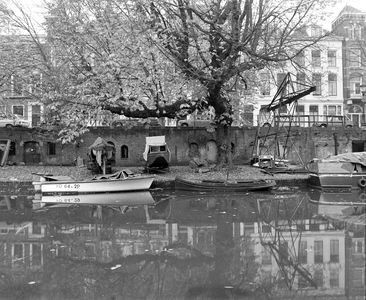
[[178, 272]]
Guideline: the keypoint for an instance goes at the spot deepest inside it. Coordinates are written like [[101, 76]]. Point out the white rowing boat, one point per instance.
[[121, 181]]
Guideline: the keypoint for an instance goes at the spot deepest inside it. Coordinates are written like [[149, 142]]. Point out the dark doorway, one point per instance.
[[32, 155], [358, 146]]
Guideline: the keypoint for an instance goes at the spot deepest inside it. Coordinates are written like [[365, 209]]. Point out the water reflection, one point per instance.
[[170, 245]]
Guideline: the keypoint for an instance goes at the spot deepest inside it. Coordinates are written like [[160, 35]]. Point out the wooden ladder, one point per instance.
[[5, 148]]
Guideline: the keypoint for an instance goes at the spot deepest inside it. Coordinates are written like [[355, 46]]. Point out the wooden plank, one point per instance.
[[5, 153]]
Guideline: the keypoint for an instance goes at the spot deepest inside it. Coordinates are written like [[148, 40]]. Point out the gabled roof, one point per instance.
[[346, 11], [349, 9]]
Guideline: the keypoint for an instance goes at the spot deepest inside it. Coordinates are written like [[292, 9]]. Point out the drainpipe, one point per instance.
[[335, 143]]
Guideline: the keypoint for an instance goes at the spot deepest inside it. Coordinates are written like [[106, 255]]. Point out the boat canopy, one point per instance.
[[354, 157], [102, 150]]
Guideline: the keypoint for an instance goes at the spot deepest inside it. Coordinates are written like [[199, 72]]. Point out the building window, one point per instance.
[[283, 109], [51, 148], [334, 278], [317, 82], [300, 109], [332, 84], [37, 228], [332, 61], [36, 255], [300, 59], [318, 252], [314, 113], [280, 78], [17, 86], [355, 32], [124, 152], [283, 252], [18, 253], [332, 110], [264, 84], [355, 57], [357, 246], [36, 115], [2, 109], [315, 58], [18, 110], [302, 282], [248, 229], [318, 277], [358, 278], [266, 256], [300, 78], [355, 83], [303, 254], [334, 251], [35, 83]]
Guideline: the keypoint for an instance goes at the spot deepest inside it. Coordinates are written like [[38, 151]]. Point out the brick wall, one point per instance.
[[303, 144]]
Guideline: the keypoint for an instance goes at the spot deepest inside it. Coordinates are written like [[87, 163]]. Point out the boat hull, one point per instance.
[[95, 186], [336, 175], [218, 186], [337, 181]]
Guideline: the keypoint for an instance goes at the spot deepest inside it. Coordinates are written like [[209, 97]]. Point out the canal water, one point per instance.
[[283, 244]]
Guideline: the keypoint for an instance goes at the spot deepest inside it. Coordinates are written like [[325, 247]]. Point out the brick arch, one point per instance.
[[193, 150], [32, 153], [211, 151]]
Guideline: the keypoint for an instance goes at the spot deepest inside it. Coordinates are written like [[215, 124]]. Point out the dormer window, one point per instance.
[[316, 31]]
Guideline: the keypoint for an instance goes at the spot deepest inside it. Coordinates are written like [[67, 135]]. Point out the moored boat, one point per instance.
[[343, 171], [121, 181], [223, 186]]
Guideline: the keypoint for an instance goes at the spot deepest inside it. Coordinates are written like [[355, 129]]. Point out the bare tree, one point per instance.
[[220, 43]]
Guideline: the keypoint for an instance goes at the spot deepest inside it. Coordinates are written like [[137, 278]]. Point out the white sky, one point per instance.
[[359, 4]]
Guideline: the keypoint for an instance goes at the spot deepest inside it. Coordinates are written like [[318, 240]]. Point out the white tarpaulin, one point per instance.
[[354, 157], [153, 141]]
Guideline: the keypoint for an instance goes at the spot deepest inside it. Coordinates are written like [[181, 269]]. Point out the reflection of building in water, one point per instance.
[[317, 247], [355, 261], [318, 251], [286, 237], [22, 245], [319, 255]]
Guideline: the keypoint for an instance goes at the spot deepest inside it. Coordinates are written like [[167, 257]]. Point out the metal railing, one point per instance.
[[306, 121]]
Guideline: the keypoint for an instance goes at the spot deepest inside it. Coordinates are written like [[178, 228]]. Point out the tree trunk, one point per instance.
[[224, 111], [224, 144]]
